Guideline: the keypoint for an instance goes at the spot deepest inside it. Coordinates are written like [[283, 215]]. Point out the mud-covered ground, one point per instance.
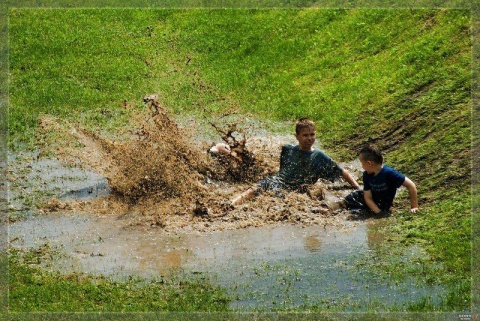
[[163, 176]]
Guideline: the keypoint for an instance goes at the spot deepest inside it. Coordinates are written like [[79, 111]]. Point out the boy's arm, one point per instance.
[[367, 195], [349, 178], [412, 191]]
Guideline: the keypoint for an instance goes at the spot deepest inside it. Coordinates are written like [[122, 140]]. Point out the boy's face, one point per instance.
[[367, 165], [306, 138]]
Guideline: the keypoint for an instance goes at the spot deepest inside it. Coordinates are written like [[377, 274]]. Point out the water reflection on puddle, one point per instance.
[[263, 267]]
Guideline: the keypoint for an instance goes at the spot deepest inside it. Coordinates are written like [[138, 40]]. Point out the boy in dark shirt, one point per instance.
[[300, 166], [380, 185]]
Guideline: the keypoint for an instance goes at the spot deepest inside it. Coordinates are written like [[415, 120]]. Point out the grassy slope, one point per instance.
[[400, 78]]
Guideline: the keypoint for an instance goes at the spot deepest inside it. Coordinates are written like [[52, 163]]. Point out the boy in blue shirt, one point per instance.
[[300, 166], [380, 185]]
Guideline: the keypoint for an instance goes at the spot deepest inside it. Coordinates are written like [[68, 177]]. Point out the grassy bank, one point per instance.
[[398, 78]]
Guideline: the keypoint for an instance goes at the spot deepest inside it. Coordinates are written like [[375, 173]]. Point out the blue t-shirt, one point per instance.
[[383, 186], [299, 168]]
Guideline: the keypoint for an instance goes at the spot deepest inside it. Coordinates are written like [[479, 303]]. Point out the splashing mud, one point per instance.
[[160, 178]]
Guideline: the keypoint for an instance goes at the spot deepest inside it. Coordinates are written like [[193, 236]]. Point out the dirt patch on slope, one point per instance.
[[160, 178]]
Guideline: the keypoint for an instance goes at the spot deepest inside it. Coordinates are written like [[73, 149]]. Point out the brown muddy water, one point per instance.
[[263, 267]]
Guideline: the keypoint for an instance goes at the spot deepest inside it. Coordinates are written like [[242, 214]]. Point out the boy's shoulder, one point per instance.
[[289, 147], [387, 171], [292, 147], [390, 169], [393, 176]]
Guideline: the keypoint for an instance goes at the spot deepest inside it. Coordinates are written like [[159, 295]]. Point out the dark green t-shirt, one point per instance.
[[299, 168]]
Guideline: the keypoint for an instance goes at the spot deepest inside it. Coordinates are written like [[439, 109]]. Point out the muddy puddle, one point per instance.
[[269, 264], [262, 266], [156, 204]]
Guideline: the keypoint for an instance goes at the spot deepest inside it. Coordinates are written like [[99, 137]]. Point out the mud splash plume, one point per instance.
[[161, 161]]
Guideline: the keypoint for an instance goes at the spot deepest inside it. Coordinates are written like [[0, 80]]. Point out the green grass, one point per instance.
[[443, 230], [399, 78], [3, 281], [35, 289]]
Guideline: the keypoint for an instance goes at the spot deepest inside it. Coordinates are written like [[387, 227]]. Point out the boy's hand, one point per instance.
[[382, 213], [221, 148], [414, 210]]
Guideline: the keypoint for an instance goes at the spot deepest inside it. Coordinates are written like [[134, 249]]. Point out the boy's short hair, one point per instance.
[[371, 153], [304, 123]]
